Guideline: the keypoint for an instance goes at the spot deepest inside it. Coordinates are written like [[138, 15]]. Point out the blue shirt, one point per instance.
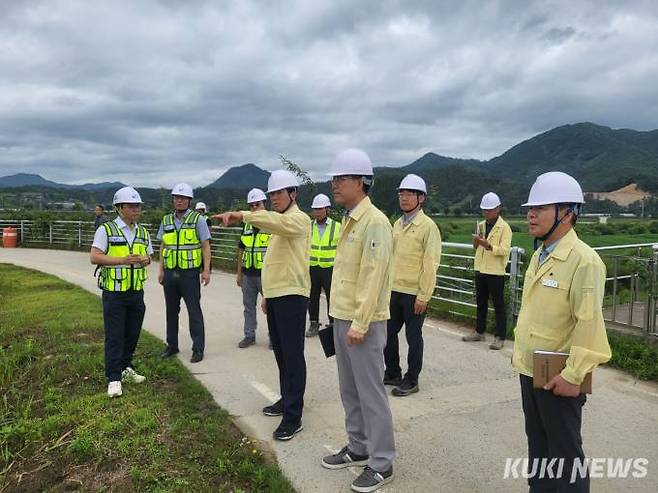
[[202, 230], [546, 251], [321, 227]]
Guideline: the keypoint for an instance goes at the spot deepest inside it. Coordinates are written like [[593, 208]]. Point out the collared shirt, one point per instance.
[[494, 261], [286, 263], [407, 218], [202, 230], [416, 256], [100, 237], [360, 283], [321, 227], [561, 310], [546, 251]]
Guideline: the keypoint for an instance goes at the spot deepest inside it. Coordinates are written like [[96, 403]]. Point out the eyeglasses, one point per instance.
[[343, 178], [406, 193]]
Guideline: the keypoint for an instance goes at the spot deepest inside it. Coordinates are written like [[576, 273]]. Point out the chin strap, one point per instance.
[[572, 208], [413, 208]]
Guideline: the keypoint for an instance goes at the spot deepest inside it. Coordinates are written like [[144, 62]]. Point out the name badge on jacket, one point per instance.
[[550, 283]]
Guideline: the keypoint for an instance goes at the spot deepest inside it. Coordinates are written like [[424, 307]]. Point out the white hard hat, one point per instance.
[[352, 162], [183, 189], [555, 187], [320, 201], [200, 205], [489, 201], [256, 195], [280, 179], [413, 182], [127, 195]]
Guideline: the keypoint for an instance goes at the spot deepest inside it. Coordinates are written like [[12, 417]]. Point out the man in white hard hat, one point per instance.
[[361, 292], [416, 257], [286, 287], [202, 209], [184, 257], [561, 310], [325, 233], [492, 242], [122, 250], [252, 246]]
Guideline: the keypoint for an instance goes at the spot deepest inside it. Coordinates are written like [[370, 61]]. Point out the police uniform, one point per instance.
[[182, 258], [253, 243], [324, 240], [123, 292]]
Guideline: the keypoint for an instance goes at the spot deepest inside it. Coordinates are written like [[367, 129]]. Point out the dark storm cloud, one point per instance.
[[155, 92]]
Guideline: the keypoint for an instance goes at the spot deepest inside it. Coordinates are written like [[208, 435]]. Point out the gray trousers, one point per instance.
[[368, 419], [251, 286]]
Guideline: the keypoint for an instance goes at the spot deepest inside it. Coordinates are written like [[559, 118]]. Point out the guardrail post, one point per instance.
[[514, 282], [22, 231], [652, 299], [79, 233], [50, 233]]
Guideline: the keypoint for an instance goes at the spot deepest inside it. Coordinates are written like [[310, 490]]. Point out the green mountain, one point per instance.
[[601, 158], [246, 176]]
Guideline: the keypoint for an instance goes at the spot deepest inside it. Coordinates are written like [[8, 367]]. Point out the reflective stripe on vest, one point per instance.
[[123, 277], [254, 249], [323, 250], [182, 247]]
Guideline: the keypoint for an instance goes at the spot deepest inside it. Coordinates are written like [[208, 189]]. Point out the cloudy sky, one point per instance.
[[153, 92]]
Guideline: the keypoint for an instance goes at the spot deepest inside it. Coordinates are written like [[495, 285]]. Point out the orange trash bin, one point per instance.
[[9, 237]]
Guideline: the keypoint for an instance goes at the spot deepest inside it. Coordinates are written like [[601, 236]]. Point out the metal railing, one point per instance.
[[631, 291], [455, 280]]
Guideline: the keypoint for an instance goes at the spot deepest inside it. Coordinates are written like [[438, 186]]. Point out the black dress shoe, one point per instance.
[[169, 352], [395, 381], [196, 356], [286, 431], [275, 409], [406, 388]]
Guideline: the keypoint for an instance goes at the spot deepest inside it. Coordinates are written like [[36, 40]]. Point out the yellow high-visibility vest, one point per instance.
[[123, 277], [255, 246], [323, 249], [182, 248]]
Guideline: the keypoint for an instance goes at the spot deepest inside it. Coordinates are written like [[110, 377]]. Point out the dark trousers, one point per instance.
[[123, 314], [320, 279], [552, 425], [402, 313], [489, 285], [286, 319], [184, 283]]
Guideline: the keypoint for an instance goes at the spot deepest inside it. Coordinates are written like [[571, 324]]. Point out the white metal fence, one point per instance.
[[631, 286]]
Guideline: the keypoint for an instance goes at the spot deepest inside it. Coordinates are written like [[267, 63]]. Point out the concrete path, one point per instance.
[[453, 436]]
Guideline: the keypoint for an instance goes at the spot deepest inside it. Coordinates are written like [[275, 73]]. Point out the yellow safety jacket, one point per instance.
[[416, 256], [494, 261], [323, 249], [123, 277], [255, 246], [182, 247], [561, 310], [361, 280], [285, 267]]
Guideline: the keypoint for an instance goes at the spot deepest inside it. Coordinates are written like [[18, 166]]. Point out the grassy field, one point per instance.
[[616, 232], [59, 431]]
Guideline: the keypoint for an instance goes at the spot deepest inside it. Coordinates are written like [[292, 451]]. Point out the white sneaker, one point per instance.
[[129, 375], [114, 389]]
